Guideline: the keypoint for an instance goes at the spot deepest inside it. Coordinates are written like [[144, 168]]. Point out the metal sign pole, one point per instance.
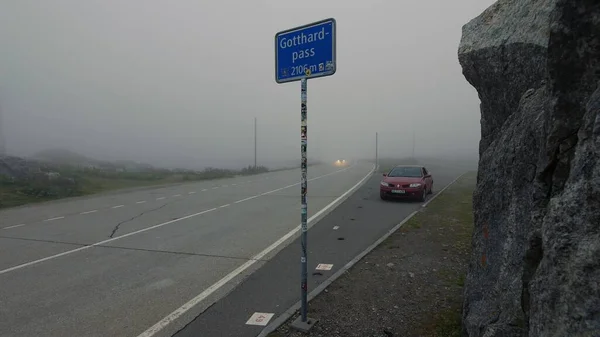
[[304, 185]]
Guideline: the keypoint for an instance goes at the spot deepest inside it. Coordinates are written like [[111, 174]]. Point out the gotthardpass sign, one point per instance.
[[305, 52]]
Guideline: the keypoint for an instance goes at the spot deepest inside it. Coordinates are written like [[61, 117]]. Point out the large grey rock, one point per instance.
[[535, 268]]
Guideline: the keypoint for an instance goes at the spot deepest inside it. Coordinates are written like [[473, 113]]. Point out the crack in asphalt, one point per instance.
[[114, 231], [135, 249]]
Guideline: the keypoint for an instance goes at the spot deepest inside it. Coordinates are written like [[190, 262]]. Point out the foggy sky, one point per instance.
[[180, 82]]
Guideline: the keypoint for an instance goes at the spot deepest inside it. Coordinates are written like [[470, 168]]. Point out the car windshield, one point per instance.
[[405, 172]]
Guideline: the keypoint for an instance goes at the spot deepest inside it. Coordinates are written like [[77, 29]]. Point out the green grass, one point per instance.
[[448, 324], [452, 213]]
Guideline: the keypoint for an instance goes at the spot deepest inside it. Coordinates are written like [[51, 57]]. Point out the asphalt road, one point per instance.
[[335, 240], [119, 264]]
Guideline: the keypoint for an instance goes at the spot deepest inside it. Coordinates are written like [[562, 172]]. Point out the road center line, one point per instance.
[[14, 226], [88, 212], [208, 291], [57, 218], [177, 195], [118, 206], [161, 198], [191, 192], [141, 202], [51, 257]]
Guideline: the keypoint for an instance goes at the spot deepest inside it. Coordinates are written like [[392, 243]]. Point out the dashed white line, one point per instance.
[[214, 188], [68, 252], [14, 226], [161, 198], [176, 195], [118, 206], [141, 202], [57, 218], [88, 212], [223, 206], [191, 192], [335, 228], [204, 190]]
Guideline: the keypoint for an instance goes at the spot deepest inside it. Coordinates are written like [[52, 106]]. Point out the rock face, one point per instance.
[[535, 269]]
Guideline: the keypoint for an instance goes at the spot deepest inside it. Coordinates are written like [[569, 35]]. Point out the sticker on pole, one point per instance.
[[323, 266], [259, 318], [306, 52]]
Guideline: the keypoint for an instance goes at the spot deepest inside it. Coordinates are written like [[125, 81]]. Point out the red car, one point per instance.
[[406, 181]]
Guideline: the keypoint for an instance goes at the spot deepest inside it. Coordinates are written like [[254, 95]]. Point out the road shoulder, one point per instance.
[[410, 285]]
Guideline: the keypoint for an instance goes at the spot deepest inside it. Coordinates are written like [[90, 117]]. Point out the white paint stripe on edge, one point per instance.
[[150, 332]]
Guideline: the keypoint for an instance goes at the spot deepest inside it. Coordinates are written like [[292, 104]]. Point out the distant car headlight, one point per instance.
[[415, 185], [383, 183]]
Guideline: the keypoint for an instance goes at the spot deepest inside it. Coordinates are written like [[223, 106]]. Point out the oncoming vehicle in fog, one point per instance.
[[341, 162], [406, 181]]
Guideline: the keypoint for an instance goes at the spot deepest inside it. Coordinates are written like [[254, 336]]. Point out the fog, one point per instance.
[[179, 83]]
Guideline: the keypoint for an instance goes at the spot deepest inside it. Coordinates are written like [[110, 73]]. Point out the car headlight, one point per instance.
[[383, 183], [415, 185]]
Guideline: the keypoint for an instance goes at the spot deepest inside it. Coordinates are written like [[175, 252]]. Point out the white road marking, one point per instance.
[[204, 190], [223, 206], [176, 195], [57, 218], [246, 199], [161, 198], [335, 228], [191, 192], [118, 206], [260, 318], [150, 332], [141, 202], [214, 286], [88, 212], [68, 252], [14, 226], [324, 266]]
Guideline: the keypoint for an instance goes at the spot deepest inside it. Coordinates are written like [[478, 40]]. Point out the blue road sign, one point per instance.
[[305, 52]]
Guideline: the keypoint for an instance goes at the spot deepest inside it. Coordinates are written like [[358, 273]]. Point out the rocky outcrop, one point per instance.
[[535, 269]]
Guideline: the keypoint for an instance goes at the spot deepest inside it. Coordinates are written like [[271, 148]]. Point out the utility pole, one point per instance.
[[254, 143], [413, 145], [376, 150], [2, 143]]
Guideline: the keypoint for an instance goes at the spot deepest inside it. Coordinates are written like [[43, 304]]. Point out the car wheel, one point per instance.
[[382, 196], [423, 195]]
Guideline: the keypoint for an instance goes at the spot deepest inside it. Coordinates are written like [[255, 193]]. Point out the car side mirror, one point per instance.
[[385, 174]]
